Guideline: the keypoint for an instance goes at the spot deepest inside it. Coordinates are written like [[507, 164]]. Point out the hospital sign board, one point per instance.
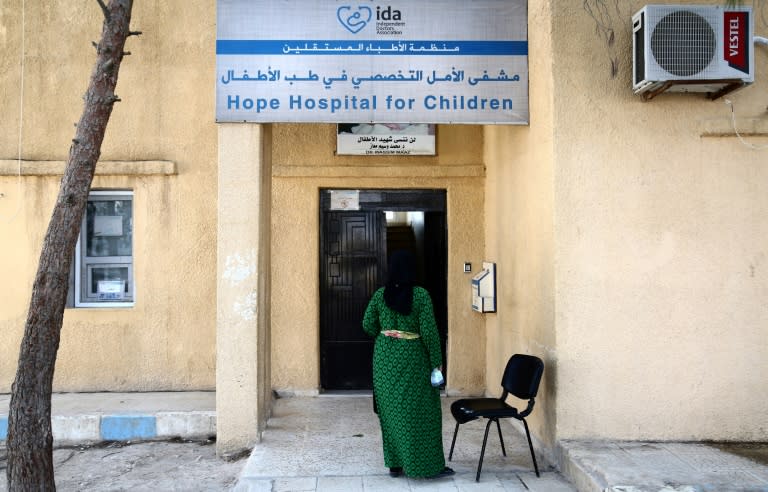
[[406, 61]]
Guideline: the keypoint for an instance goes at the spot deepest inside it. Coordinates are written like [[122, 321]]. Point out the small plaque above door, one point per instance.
[[345, 199]]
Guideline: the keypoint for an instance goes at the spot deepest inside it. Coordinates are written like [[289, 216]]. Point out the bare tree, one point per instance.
[[30, 439]]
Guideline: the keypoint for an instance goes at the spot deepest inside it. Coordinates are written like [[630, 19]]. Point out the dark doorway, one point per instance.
[[354, 246]]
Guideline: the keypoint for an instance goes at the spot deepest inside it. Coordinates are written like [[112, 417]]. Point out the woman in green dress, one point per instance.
[[406, 349]]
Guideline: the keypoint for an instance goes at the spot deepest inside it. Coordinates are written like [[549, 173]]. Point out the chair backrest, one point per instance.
[[522, 376]]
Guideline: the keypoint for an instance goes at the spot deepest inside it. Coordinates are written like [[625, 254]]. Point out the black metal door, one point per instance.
[[352, 265]]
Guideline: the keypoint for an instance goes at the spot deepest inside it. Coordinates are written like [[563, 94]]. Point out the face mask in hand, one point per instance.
[[436, 378]]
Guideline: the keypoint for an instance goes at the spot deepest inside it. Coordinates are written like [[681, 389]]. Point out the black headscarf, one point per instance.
[[401, 277]]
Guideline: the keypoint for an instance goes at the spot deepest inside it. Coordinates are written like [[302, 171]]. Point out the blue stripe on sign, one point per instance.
[[369, 47], [126, 427], [3, 428]]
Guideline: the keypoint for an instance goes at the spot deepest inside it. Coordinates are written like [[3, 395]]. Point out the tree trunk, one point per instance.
[[30, 439]]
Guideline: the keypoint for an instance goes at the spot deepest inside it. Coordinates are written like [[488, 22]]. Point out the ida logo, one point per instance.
[[388, 14], [354, 19], [736, 46], [389, 21]]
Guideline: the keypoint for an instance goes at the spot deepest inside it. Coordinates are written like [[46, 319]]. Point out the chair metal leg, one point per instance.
[[482, 450], [530, 446], [498, 427], [456, 431]]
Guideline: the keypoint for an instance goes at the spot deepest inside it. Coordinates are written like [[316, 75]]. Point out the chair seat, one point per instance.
[[472, 408]]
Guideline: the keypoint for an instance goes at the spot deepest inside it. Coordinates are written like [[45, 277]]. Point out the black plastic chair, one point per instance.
[[521, 379]]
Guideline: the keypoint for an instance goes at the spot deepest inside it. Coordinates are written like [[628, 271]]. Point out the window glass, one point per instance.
[[104, 260], [108, 283], [109, 227]]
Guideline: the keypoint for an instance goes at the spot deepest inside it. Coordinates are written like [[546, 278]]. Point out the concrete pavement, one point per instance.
[[332, 443], [658, 466]]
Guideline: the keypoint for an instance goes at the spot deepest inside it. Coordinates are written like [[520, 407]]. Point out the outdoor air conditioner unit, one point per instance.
[[692, 48]]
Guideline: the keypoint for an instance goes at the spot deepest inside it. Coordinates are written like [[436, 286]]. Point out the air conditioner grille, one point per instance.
[[683, 43]]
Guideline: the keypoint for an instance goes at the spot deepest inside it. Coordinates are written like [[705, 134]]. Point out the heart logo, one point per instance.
[[354, 20]]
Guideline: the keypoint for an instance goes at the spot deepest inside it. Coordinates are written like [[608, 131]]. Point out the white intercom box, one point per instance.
[[484, 289]]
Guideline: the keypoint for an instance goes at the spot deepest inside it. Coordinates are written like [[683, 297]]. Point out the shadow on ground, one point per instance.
[[755, 451]]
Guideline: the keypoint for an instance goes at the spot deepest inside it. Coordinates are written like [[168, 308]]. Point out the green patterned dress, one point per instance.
[[408, 405]]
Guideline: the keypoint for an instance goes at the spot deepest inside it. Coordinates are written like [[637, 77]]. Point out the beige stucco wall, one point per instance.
[[519, 192], [629, 236], [303, 163], [243, 386], [634, 255], [167, 341], [661, 273]]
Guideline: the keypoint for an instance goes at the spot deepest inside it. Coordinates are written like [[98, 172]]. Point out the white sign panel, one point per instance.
[[108, 225], [386, 139], [111, 289], [407, 61]]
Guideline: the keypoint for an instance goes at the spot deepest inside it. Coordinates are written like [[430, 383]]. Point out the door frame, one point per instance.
[[396, 200]]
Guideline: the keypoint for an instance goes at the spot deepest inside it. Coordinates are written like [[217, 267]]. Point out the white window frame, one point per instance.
[[81, 267]]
